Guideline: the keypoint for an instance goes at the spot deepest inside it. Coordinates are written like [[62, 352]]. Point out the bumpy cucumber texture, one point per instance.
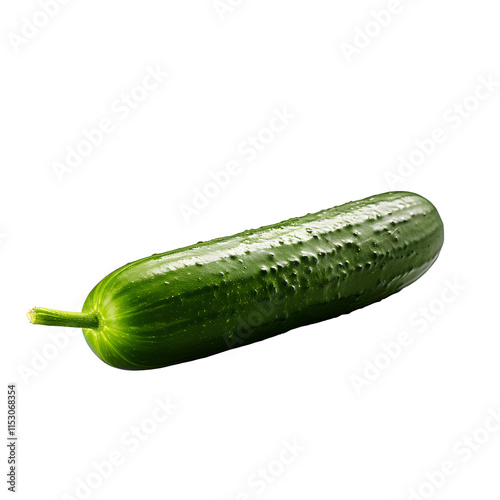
[[203, 299]]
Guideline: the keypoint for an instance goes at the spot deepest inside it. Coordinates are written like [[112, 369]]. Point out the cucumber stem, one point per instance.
[[53, 317]]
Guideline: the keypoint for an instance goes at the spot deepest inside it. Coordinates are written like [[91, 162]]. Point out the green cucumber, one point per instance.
[[205, 298]]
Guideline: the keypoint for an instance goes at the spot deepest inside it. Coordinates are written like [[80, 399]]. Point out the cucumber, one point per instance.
[[205, 298]]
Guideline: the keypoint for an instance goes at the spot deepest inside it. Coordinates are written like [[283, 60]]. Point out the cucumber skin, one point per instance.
[[203, 299]]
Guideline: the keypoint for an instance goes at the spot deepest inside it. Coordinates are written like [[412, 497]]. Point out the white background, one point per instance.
[[228, 71]]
